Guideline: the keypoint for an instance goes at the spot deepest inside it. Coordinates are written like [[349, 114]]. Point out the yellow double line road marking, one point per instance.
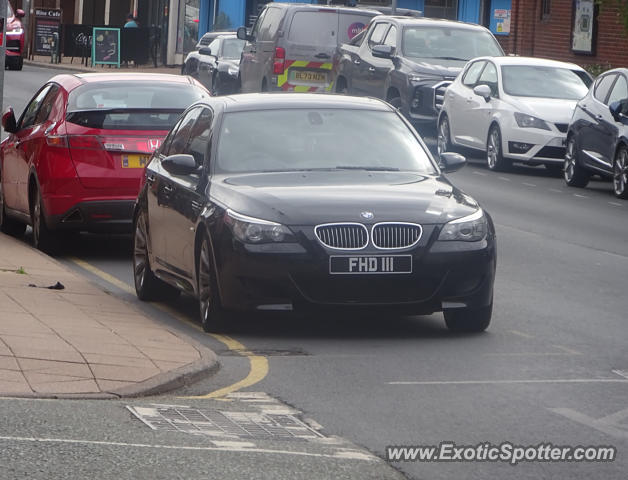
[[258, 364]]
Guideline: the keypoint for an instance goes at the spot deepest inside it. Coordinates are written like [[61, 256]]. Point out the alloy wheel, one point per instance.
[[443, 136], [620, 173], [140, 252], [37, 221], [570, 160], [204, 282], [492, 150]]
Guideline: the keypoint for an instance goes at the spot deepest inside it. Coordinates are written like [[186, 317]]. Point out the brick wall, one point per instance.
[[551, 37]]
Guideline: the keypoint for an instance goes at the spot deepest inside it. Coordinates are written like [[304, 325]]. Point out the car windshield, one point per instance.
[[543, 82], [449, 43], [131, 105], [318, 139], [232, 47]]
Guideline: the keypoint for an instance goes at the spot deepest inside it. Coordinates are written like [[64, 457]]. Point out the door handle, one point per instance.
[[168, 189], [150, 179], [371, 69], [322, 55], [599, 117], [357, 61]]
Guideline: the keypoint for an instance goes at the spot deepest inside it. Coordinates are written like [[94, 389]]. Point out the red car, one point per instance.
[[15, 39], [75, 158]]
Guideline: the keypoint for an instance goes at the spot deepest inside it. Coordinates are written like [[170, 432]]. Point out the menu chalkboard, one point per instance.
[[47, 23], [106, 46]]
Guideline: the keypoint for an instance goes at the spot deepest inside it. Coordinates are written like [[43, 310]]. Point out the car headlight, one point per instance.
[[471, 228], [232, 71], [255, 230], [528, 121], [419, 77]]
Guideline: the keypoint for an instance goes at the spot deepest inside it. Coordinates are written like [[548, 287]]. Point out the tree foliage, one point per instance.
[[622, 10]]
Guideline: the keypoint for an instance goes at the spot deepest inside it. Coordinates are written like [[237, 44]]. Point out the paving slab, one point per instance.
[[81, 341]]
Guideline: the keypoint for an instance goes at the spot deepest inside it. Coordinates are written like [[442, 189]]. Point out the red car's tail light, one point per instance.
[[279, 61], [56, 141], [89, 142], [115, 144]]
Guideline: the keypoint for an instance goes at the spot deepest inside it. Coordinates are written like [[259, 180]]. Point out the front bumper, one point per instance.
[[290, 276], [424, 100], [533, 144]]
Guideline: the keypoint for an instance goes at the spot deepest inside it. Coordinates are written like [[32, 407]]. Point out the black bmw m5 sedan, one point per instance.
[[304, 201]]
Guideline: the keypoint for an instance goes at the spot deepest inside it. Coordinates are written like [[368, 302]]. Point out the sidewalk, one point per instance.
[[43, 61], [81, 341]]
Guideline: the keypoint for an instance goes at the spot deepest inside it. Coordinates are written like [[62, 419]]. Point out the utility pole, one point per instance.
[[394, 7], [3, 15]]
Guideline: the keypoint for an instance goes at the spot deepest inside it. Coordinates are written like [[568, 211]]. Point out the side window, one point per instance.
[[30, 113], [377, 35], [472, 74], [391, 37], [256, 28], [619, 91], [270, 26], [199, 137], [214, 46], [489, 77], [46, 105], [357, 40], [602, 87], [180, 138]]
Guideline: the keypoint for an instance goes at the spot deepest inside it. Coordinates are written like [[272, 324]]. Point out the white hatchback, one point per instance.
[[512, 108]]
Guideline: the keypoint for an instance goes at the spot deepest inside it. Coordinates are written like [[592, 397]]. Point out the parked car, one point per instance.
[[512, 109], [14, 59], [191, 63], [218, 64], [597, 140], [292, 45], [410, 62], [261, 202], [75, 157]]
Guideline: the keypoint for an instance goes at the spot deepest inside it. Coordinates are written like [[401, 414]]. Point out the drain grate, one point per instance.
[[222, 423]]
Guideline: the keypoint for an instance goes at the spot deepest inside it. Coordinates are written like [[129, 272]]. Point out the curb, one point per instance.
[[188, 374], [58, 66], [84, 69]]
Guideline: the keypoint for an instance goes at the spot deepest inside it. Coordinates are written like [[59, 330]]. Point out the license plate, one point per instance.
[[370, 264], [135, 161], [309, 77]]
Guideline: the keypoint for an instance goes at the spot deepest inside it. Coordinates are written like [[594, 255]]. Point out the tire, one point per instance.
[[43, 237], [494, 156], [554, 168], [213, 317], [215, 85], [444, 135], [341, 86], [620, 173], [9, 225], [469, 319], [147, 285], [16, 64], [395, 102], [574, 174]]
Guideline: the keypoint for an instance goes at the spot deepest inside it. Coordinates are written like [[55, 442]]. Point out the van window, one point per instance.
[[269, 27], [316, 28]]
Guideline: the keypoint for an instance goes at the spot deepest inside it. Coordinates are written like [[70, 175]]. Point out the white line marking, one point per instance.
[[529, 184], [479, 173], [621, 373], [615, 204], [526, 354], [500, 382], [601, 425], [522, 334], [579, 196], [343, 454], [505, 179], [555, 190], [568, 350]]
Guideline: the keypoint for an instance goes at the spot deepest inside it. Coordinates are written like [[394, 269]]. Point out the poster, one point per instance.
[[583, 27], [500, 17], [106, 46]]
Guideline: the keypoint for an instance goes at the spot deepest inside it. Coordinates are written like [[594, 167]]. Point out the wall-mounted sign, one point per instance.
[[500, 17], [47, 24], [584, 27], [106, 46]]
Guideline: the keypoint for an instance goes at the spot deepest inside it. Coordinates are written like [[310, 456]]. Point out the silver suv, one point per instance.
[[292, 45]]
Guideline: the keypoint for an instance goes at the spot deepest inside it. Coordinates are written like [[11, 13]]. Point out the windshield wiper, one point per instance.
[[451, 58]]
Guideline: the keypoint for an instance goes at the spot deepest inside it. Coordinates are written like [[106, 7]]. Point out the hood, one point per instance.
[[549, 109], [312, 198], [435, 66]]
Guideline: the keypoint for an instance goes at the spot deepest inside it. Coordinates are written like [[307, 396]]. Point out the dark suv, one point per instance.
[[410, 61]]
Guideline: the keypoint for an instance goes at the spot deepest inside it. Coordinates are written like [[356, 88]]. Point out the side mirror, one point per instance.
[[383, 51], [483, 91], [205, 51], [180, 164], [19, 13], [618, 110], [450, 162], [242, 35], [8, 121]]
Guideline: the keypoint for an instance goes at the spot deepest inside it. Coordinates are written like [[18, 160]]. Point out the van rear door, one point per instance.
[[310, 43]]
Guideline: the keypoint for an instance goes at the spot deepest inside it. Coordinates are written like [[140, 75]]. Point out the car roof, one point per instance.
[[306, 6], [269, 101], [71, 81], [532, 61], [406, 21]]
